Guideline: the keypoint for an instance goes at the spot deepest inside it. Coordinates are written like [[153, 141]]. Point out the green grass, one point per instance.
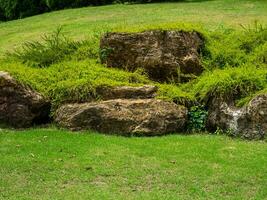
[[73, 70], [79, 23], [56, 164], [233, 83], [72, 80], [49, 163]]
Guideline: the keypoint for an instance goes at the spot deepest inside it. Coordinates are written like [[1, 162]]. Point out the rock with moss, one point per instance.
[[249, 122], [164, 55], [20, 106], [126, 92], [140, 117]]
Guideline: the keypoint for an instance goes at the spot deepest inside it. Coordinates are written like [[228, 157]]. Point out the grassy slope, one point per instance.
[[40, 164], [74, 79], [45, 164], [80, 23]]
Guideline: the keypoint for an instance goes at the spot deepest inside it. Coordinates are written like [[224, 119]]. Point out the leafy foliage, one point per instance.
[[103, 54], [14, 9], [229, 47], [51, 49], [235, 67], [197, 118], [233, 83], [72, 81]]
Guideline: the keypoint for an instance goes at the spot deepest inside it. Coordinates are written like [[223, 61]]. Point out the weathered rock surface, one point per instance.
[[254, 123], [164, 55], [126, 117], [249, 122], [20, 106], [127, 92]]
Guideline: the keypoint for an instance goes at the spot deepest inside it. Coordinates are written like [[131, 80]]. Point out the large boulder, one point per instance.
[[164, 55], [249, 122], [126, 92], [126, 117], [20, 106]]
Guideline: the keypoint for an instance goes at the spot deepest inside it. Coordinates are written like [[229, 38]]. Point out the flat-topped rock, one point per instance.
[[127, 92], [146, 117], [164, 55], [20, 106]]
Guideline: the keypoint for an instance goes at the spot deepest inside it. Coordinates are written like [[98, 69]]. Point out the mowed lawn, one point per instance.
[[53, 164], [79, 23], [56, 164]]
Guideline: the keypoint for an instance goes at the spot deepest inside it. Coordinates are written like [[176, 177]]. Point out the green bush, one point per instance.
[[2, 16], [61, 4], [233, 83], [197, 117], [233, 48], [172, 92], [51, 49], [72, 81], [13, 9], [74, 71]]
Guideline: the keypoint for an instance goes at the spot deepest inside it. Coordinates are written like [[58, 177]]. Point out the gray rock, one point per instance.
[[20, 106], [249, 122], [164, 55], [253, 123], [148, 117]]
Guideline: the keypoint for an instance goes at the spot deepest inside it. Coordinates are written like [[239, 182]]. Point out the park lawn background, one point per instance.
[[57, 164], [234, 56], [83, 22]]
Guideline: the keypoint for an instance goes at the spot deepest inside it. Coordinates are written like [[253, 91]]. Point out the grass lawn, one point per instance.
[[53, 164], [56, 164], [80, 23]]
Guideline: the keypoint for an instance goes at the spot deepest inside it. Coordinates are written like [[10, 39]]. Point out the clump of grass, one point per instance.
[[51, 49], [235, 63], [244, 101], [231, 83], [255, 35], [72, 81], [160, 26], [172, 92], [228, 47], [260, 54]]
